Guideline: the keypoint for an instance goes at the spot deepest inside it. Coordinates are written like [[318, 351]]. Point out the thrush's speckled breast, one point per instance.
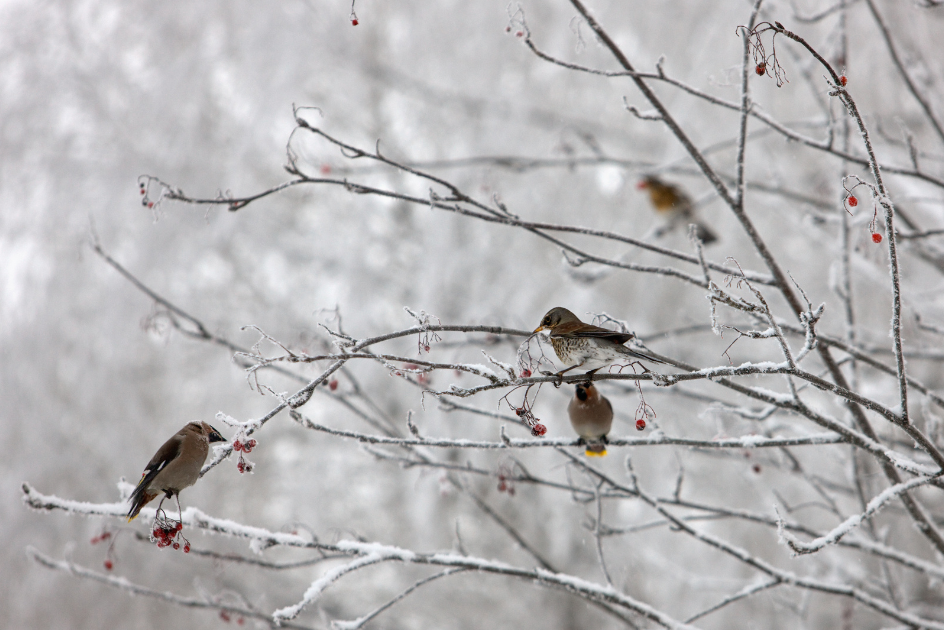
[[584, 346]]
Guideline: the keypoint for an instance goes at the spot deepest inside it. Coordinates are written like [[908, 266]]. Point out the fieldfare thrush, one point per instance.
[[591, 415], [671, 201], [580, 345]]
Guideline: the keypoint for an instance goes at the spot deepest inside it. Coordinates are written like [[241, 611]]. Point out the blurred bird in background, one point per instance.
[[175, 466], [671, 202], [591, 415], [580, 345]]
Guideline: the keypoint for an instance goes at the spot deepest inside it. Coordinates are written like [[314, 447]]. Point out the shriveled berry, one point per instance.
[[761, 68], [538, 430], [876, 238], [640, 425], [519, 411], [852, 201]]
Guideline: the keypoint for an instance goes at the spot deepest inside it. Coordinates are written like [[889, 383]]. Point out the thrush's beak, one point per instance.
[[539, 329]]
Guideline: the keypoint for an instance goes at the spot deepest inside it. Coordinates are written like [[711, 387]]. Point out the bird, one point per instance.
[[175, 466], [591, 416], [580, 345], [670, 200]]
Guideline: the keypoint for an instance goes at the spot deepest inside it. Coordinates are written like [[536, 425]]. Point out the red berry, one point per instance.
[[333, 385], [158, 532], [640, 425], [237, 445], [176, 545], [761, 68], [179, 526], [142, 189], [519, 411], [150, 204], [538, 430], [756, 468], [109, 565], [876, 238], [241, 467], [852, 201], [224, 616], [519, 34], [843, 80], [241, 621], [251, 443], [354, 22], [502, 486], [507, 29], [525, 373], [325, 169], [186, 547]]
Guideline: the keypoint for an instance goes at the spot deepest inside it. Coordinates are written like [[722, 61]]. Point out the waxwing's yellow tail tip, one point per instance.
[[590, 453]]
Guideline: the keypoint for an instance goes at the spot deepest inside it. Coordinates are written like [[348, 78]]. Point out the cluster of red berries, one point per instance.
[[225, 616], [537, 429], [505, 485], [167, 534], [243, 465], [245, 447]]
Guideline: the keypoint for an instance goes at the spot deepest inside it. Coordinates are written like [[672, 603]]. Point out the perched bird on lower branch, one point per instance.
[[671, 202], [591, 415], [175, 466], [580, 345]]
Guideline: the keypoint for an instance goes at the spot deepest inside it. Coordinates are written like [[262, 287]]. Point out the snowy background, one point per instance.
[[94, 94]]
